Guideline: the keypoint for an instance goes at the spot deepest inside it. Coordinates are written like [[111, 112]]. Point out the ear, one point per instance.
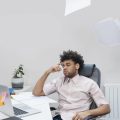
[[77, 66]]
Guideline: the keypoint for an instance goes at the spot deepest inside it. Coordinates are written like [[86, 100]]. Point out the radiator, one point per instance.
[[112, 94]]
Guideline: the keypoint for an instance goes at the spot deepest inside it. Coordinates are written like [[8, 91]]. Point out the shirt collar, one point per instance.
[[74, 79]]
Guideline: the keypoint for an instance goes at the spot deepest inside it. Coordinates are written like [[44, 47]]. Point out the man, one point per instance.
[[75, 91]]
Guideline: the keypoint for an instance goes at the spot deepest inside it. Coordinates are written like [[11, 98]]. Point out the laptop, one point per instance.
[[20, 110]]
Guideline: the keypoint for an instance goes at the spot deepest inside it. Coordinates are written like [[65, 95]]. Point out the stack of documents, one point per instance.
[[28, 98]]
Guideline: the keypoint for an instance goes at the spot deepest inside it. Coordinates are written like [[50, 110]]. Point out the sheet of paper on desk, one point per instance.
[[74, 5], [2, 116], [42, 106], [28, 97], [44, 115]]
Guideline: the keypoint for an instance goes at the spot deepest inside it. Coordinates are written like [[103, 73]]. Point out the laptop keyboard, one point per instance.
[[18, 111]]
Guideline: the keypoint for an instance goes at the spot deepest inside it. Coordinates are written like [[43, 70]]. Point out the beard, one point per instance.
[[69, 75]]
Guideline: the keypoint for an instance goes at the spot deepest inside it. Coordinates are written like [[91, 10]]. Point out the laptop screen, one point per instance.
[[20, 109], [5, 101]]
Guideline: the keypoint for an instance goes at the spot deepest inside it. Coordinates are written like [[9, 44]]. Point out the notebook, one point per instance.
[[19, 109]]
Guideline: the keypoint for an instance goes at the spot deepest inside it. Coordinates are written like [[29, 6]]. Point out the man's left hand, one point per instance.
[[81, 115]]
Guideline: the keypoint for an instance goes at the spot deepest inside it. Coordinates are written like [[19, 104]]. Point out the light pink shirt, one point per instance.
[[75, 94]]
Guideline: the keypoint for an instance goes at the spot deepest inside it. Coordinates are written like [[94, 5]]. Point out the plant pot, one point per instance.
[[17, 83]]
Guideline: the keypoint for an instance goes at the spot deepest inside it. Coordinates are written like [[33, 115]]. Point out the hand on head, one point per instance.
[[55, 68]]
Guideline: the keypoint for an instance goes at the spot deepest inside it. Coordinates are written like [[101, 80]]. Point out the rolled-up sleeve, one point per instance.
[[50, 87], [97, 95]]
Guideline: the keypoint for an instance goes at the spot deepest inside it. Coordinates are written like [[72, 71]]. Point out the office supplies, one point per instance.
[[19, 109], [2, 98], [12, 92]]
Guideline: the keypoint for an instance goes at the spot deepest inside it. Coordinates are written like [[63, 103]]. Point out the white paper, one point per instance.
[[44, 115], [41, 103], [67, 115], [2, 116], [28, 97], [74, 5], [108, 32], [44, 107]]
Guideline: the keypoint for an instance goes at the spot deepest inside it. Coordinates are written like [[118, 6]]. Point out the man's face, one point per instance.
[[70, 68]]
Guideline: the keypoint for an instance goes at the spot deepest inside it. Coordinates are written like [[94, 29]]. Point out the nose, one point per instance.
[[64, 67]]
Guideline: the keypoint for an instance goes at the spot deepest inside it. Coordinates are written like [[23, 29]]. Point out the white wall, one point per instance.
[[35, 32]]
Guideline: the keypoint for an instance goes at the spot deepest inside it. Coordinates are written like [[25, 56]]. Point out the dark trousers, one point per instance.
[[58, 117]]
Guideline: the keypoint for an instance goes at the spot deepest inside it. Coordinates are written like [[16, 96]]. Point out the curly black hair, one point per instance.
[[74, 56]]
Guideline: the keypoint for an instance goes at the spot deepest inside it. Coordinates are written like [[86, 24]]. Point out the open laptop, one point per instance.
[[19, 109]]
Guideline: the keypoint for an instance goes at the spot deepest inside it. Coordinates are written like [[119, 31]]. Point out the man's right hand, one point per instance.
[[38, 89], [55, 68]]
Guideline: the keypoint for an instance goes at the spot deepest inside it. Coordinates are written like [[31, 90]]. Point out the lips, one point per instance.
[[65, 72]]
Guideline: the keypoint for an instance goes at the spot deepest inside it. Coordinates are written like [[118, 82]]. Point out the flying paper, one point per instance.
[[74, 5], [108, 31]]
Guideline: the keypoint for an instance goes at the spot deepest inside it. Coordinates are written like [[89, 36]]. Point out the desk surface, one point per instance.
[[44, 115], [40, 103]]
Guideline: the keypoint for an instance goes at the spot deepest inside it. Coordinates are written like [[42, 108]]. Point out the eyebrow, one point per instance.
[[67, 63]]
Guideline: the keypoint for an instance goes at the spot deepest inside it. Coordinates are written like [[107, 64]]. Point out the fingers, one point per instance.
[[57, 68], [77, 117]]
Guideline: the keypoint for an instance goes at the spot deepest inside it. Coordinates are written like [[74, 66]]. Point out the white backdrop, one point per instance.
[[35, 32]]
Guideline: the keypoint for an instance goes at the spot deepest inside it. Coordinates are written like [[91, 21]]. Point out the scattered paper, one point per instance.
[[108, 32], [3, 116], [42, 106], [44, 115], [28, 97], [74, 5]]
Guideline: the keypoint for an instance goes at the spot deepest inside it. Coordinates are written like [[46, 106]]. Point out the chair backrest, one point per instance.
[[91, 71]]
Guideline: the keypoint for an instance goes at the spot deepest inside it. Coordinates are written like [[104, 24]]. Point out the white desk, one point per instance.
[[40, 103], [44, 115]]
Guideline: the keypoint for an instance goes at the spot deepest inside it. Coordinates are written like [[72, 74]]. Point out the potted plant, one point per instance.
[[17, 79]]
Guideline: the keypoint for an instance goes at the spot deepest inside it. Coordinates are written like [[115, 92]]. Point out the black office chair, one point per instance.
[[91, 71]]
